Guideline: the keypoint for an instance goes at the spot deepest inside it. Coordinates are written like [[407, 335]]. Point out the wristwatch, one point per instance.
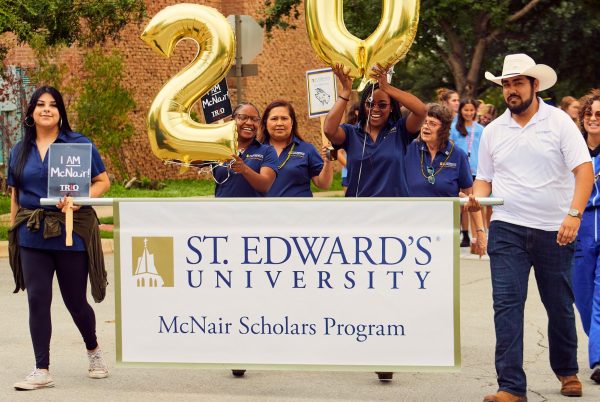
[[574, 213]]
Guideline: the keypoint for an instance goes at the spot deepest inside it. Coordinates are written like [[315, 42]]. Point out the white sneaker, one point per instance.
[[98, 368], [36, 380]]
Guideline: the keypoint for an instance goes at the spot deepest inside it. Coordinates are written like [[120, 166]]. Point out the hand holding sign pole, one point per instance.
[[172, 133]]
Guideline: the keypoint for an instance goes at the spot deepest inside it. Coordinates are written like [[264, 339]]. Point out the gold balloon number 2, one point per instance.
[[385, 46], [172, 133]]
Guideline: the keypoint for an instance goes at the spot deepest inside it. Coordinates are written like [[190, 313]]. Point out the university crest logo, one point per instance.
[[152, 262]]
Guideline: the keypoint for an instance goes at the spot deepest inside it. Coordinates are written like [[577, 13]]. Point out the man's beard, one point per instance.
[[518, 109]]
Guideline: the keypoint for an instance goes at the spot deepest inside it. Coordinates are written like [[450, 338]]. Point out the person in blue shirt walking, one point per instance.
[[37, 237], [376, 145], [466, 133], [436, 167], [586, 260], [254, 168], [298, 162]]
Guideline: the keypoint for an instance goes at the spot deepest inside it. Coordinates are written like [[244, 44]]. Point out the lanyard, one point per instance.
[[470, 140]]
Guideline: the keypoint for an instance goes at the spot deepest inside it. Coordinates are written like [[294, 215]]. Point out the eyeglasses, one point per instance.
[[380, 105], [432, 123], [588, 115], [244, 117]]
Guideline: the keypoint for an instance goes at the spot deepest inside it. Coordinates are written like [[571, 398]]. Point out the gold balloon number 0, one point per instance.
[[385, 46], [172, 133]]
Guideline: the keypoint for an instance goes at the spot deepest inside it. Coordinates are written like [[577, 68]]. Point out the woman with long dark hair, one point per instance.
[[466, 133], [298, 161], [37, 237], [377, 144]]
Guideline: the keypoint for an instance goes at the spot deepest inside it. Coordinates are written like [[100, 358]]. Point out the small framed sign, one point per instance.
[[322, 91], [216, 104], [69, 170]]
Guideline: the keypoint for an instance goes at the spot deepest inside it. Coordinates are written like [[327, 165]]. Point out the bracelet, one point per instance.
[[480, 230], [346, 99]]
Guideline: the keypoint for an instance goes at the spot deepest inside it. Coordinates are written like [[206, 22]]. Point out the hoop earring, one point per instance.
[[29, 123]]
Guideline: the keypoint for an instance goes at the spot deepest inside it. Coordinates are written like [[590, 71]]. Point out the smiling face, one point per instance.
[[279, 124], [591, 120], [46, 115], [468, 112], [247, 119], [379, 108]]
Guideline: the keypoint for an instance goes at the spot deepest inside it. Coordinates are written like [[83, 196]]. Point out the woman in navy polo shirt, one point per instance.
[[255, 167], [376, 145], [37, 237], [436, 167], [298, 162]]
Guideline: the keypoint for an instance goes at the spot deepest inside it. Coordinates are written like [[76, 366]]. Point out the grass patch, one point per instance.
[[3, 232], [107, 220], [4, 204], [105, 234], [173, 188]]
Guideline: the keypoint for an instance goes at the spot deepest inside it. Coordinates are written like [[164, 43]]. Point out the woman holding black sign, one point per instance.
[[37, 237]]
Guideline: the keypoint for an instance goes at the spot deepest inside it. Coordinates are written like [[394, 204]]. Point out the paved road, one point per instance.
[[476, 378]]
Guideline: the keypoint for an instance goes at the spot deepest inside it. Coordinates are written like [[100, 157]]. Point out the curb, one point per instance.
[[107, 247]]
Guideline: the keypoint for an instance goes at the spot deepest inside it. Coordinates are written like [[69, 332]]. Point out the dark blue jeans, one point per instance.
[[513, 250]]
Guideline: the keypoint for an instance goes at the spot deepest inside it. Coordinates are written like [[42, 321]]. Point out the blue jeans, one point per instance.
[[513, 250]]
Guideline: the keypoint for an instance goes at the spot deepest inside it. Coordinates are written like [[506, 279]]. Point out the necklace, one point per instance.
[[288, 157], [430, 176]]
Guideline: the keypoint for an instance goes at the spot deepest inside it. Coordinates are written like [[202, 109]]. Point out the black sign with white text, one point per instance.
[[69, 170], [216, 104]]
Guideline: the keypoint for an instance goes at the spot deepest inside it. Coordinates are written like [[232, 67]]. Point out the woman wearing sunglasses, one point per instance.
[[376, 145], [255, 167]]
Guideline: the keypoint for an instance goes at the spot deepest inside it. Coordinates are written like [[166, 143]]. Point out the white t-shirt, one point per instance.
[[531, 167]]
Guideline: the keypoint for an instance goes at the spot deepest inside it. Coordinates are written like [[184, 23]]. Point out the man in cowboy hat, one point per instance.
[[533, 157]]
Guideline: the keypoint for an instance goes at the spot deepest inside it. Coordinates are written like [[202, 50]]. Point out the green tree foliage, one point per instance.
[[458, 40], [64, 22], [103, 105]]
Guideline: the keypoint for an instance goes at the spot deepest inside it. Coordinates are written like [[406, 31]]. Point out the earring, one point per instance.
[[60, 123], [29, 122]]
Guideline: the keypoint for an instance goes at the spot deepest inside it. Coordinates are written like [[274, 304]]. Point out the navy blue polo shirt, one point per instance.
[[256, 156], [455, 174], [382, 162], [293, 179], [34, 185]]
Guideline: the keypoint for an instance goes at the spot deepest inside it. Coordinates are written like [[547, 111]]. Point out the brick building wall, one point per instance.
[[282, 65]]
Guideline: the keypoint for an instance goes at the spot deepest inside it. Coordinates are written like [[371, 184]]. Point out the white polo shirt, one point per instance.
[[531, 167]]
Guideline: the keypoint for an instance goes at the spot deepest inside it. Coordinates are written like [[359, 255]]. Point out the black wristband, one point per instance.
[[346, 99]]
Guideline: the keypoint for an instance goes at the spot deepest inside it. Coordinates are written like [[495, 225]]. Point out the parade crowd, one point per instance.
[[541, 160]]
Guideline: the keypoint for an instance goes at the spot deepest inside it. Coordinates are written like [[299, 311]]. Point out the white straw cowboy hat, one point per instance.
[[521, 64]]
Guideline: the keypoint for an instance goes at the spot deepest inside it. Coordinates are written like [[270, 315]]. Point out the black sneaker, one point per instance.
[[596, 376], [238, 373], [384, 376], [465, 242]]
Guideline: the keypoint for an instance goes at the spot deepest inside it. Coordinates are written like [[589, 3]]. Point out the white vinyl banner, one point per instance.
[[316, 284]]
